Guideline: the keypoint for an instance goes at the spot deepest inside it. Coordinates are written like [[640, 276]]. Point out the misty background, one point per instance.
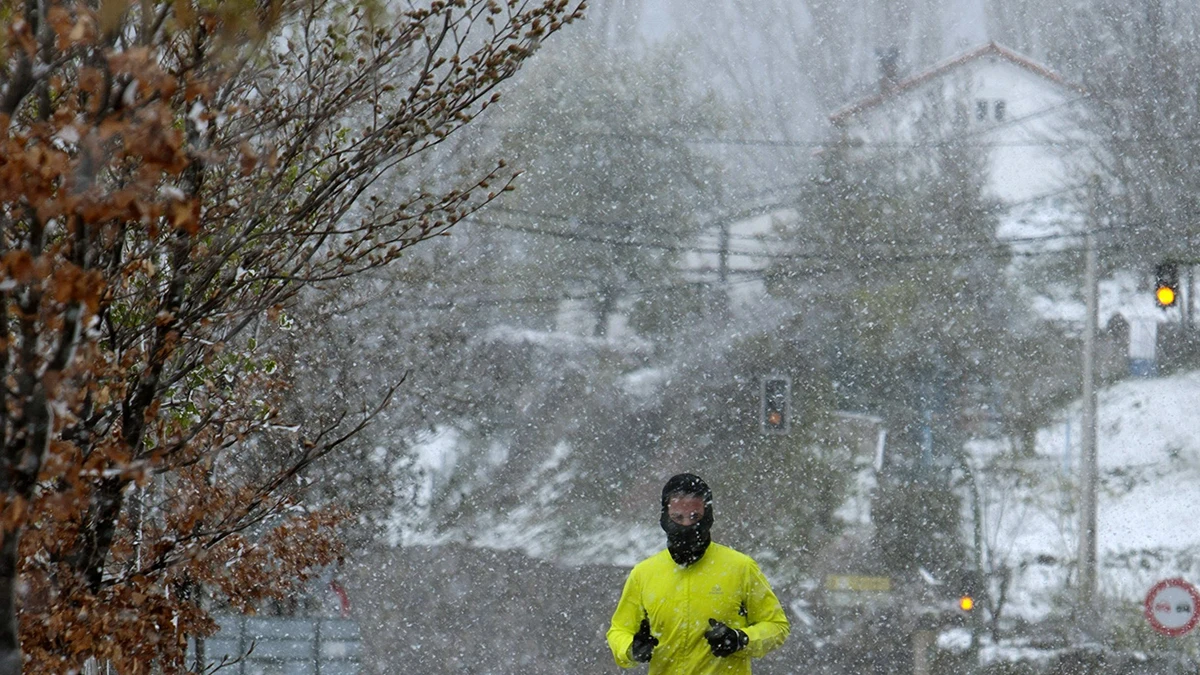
[[680, 231]]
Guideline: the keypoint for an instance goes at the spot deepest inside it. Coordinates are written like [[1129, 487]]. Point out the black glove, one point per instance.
[[643, 643], [724, 640]]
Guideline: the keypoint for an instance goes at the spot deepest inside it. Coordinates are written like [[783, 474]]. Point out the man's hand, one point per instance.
[[724, 640], [643, 643]]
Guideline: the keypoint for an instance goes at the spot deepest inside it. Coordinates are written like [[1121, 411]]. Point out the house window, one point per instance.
[[1001, 109], [981, 110]]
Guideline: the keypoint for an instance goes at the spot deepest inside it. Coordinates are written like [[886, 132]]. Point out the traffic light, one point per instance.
[[776, 404], [966, 602], [1166, 284], [970, 586]]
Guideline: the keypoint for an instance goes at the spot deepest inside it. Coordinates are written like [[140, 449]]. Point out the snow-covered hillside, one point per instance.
[[1148, 445], [1149, 457]]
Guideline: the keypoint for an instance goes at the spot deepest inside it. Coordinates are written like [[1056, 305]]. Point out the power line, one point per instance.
[[787, 143], [998, 246], [818, 145], [745, 276], [830, 265], [737, 214], [696, 249], [956, 138], [1066, 143]]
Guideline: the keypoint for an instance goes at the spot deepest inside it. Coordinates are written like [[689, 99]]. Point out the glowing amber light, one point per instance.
[[1165, 295], [966, 603]]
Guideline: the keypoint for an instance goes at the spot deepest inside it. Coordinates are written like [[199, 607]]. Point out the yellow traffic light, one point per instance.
[[1165, 295], [1166, 284], [966, 603]]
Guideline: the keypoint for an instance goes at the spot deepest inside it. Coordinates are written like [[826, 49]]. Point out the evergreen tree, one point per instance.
[[900, 286], [901, 278]]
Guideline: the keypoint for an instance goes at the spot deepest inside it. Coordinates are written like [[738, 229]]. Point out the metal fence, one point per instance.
[[268, 645]]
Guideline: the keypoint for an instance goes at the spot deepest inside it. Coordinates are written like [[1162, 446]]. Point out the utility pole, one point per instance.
[[1088, 480], [723, 256], [1189, 308]]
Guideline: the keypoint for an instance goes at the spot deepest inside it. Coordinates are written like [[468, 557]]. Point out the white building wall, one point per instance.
[[1030, 156], [1029, 149]]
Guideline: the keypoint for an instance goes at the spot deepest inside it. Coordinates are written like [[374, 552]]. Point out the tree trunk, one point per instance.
[[10, 646], [94, 541], [606, 306]]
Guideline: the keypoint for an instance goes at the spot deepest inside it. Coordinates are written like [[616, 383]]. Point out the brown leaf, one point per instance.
[[64, 283], [249, 159], [185, 215], [111, 13], [19, 266]]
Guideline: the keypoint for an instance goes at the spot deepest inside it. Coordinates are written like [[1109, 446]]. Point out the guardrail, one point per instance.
[[284, 645]]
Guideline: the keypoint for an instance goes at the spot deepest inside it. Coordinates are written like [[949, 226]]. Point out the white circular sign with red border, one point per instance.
[[1173, 607]]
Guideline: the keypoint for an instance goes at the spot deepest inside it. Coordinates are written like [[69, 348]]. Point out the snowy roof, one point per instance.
[[989, 49]]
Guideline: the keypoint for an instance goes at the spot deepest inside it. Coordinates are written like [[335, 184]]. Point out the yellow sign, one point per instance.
[[846, 582]]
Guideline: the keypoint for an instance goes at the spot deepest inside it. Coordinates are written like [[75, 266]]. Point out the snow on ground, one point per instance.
[[750, 245], [532, 527], [1042, 225], [1149, 463], [1040, 228], [1148, 448]]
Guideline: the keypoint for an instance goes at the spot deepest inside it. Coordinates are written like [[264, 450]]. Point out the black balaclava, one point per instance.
[[687, 544]]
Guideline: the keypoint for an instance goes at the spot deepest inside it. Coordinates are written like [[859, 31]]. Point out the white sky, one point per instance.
[[965, 27]]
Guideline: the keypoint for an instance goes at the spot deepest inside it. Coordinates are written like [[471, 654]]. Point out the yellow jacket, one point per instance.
[[724, 585]]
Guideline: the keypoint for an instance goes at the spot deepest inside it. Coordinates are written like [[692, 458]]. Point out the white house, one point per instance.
[[1030, 122], [1018, 110]]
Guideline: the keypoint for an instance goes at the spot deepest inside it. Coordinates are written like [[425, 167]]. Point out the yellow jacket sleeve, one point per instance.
[[626, 621], [766, 624]]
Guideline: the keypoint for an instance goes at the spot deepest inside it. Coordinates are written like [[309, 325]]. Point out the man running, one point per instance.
[[698, 607]]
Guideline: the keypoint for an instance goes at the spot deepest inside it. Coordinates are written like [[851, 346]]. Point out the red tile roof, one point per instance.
[[989, 49]]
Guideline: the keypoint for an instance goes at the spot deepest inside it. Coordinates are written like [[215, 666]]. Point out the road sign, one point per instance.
[[852, 590], [849, 582], [1173, 607]]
